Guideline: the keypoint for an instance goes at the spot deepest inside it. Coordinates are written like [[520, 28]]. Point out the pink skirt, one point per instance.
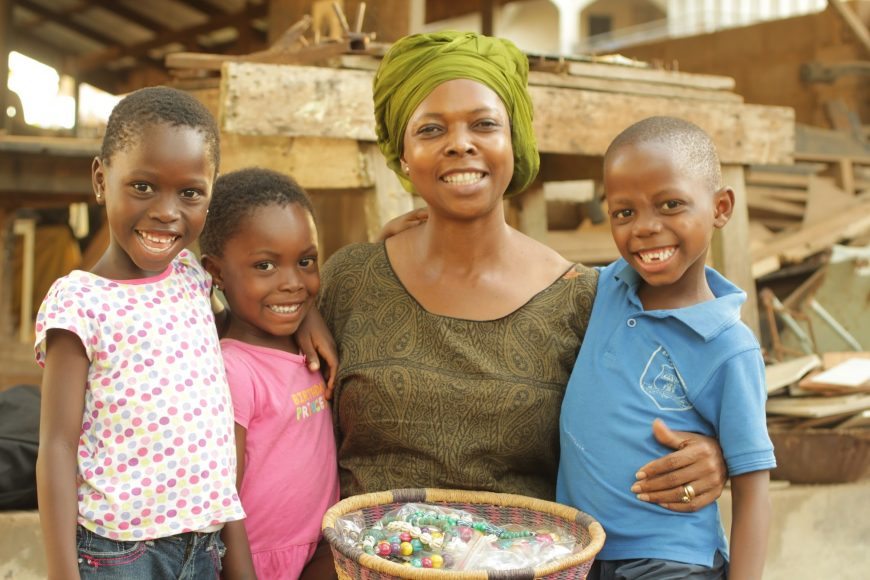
[[283, 564]]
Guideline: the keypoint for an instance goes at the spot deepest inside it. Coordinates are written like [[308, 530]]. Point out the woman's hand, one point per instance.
[[315, 341], [695, 472], [406, 221]]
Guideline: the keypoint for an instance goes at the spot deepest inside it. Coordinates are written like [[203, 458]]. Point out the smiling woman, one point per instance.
[[457, 337]]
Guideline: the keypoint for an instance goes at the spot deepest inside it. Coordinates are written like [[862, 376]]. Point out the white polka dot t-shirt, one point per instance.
[[156, 454]]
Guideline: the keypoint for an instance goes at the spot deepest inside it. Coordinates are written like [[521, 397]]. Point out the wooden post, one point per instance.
[[5, 31], [6, 254], [487, 17], [388, 199], [26, 228], [532, 212], [730, 250]]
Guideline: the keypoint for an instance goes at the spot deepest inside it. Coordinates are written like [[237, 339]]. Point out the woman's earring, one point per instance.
[[406, 169]]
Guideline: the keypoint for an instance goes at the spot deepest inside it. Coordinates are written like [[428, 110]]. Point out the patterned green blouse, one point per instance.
[[431, 401]]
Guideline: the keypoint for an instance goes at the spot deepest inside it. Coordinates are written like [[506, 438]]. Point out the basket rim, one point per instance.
[[435, 495]]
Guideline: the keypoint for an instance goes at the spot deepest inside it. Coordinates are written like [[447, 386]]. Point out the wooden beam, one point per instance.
[[853, 22], [5, 29], [630, 87], [139, 18], [92, 61], [66, 21], [314, 162], [337, 103], [651, 75]]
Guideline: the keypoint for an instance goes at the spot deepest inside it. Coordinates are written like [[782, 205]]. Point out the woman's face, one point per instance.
[[457, 148]]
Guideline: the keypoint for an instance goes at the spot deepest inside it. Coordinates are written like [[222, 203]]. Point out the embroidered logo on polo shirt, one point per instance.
[[661, 381]]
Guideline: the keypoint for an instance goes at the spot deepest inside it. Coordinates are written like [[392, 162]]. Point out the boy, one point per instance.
[[665, 340]]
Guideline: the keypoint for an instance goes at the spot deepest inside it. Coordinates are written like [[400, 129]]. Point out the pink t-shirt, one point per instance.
[[156, 453], [291, 474]]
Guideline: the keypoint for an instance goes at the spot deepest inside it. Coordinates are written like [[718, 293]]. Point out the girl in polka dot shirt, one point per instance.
[[260, 246], [136, 469]]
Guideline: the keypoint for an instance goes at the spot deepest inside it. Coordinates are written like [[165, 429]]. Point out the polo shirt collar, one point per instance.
[[707, 319]]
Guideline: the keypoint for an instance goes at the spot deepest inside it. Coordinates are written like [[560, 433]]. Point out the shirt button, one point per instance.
[[631, 323]]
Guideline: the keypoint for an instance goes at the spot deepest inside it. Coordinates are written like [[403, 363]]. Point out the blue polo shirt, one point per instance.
[[699, 369]]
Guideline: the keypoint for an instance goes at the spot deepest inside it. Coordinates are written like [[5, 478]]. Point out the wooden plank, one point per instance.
[[585, 122], [778, 193], [825, 200], [853, 22], [610, 71], [316, 163], [337, 103], [630, 87], [61, 146], [776, 206], [612, 79], [756, 177], [781, 375], [26, 176], [796, 246], [813, 407]]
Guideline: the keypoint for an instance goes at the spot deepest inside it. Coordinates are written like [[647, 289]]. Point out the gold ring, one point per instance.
[[688, 493]]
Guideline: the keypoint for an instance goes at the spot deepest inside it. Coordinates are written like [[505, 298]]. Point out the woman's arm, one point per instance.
[[697, 461], [750, 509], [238, 563], [64, 381], [315, 341]]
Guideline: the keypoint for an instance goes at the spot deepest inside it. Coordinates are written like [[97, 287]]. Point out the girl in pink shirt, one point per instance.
[[260, 246]]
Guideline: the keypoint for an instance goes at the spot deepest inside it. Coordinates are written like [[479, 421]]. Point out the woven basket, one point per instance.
[[498, 508]]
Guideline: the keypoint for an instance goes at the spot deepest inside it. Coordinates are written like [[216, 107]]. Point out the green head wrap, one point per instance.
[[416, 64]]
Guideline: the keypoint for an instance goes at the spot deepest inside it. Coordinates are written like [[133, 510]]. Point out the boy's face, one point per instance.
[[662, 215]]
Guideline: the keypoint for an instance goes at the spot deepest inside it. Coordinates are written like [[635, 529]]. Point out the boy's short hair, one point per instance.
[[238, 194], [692, 148], [152, 106]]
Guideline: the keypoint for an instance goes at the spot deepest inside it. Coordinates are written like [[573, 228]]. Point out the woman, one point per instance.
[[456, 338]]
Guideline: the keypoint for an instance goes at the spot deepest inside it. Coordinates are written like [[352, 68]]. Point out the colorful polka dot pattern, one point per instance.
[[156, 455]]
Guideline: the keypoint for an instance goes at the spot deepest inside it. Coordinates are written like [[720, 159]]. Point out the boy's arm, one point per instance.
[[64, 381], [238, 563], [750, 509]]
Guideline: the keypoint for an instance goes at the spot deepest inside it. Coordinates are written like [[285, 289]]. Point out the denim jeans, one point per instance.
[[653, 569], [188, 556]]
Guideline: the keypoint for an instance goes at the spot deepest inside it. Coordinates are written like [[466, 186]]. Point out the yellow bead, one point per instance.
[[406, 548], [437, 560]]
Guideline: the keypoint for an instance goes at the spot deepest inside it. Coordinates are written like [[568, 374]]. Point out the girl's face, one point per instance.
[[156, 194], [269, 275], [458, 150]]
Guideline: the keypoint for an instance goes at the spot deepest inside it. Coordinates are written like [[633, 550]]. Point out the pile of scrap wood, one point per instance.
[[819, 417], [799, 210], [818, 378]]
